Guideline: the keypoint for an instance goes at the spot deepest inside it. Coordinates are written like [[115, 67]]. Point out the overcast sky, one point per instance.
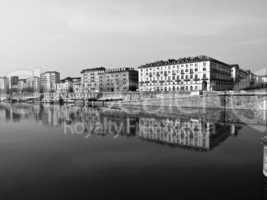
[[69, 35]]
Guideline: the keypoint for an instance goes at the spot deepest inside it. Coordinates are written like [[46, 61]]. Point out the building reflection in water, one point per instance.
[[265, 157], [194, 133], [190, 133], [264, 167]]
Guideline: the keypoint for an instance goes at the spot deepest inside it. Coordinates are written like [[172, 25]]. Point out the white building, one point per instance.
[[91, 79], [49, 80], [264, 79], [186, 74], [4, 84], [33, 83]]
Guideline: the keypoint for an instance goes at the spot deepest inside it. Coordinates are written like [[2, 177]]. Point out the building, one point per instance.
[[238, 74], [102, 80], [68, 84], [242, 78], [264, 79], [91, 79], [76, 84], [4, 84], [250, 81], [119, 79], [49, 80], [76, 81], [33, 83], [186, 74], [21, 84], [13, 82], [65, 85]]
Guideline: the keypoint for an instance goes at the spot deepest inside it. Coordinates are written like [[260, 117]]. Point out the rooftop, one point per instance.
[[185, 60], [70, 79], [51, 72], [122, 69], [93, 69]]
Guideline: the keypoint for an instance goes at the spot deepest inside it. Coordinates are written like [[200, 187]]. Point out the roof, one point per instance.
[[70, 79], [122, 69], [235, 65], [187, 60], [93, 69], [50, 72]]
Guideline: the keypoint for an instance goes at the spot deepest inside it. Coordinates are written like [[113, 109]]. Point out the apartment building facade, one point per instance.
[[21, 84], [185, 74], [111, 80], [33, 83], [119, 80], [13, 82], [91, 79], [49, 81], [4, 84], [69, 84]]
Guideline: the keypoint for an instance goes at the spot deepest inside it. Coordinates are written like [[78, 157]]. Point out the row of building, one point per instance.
[[14, 83], [200, 73], [195, 74], [92, 80], [190, 133]]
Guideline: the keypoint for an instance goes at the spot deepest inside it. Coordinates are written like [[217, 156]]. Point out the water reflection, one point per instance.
[[191, 133], [196, 133]]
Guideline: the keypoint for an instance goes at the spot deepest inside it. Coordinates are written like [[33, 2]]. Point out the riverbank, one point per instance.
[[256, 100], [215, 100]]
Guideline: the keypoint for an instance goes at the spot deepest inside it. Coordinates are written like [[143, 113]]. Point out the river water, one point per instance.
[[70, 152]]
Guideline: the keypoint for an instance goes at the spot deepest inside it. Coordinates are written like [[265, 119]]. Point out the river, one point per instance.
[[71, 152]]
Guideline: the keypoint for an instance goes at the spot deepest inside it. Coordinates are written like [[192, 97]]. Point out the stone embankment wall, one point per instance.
[[250, 101], [247, 108]]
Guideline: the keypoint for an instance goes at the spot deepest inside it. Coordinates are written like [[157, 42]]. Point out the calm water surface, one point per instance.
[[68, 152]]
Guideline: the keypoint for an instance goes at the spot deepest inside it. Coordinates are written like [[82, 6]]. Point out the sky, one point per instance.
[[70, 35]]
